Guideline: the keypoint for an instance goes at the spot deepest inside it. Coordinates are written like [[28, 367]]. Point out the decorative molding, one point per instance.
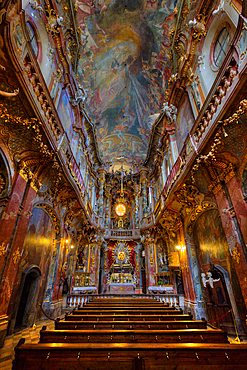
[[225, 177]]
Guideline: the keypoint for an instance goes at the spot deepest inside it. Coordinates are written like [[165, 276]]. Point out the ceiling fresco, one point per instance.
[[124, 69]]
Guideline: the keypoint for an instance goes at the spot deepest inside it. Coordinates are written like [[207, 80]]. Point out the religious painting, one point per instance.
[[65, 113], [38, 244], [184, 122], [124, 69], [210, 238], [243, 43], [19, 36]]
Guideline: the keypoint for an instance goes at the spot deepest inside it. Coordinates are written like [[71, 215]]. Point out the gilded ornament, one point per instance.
[[2, 183], [16, 255], [236, 255], [2, 249]]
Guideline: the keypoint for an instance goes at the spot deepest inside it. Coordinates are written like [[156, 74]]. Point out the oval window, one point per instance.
[[221, 46]]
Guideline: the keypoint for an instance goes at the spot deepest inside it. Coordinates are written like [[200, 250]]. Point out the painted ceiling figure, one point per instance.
[[124, 44]]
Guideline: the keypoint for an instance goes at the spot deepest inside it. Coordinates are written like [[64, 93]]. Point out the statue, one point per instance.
[[80, 260], [170, 112]]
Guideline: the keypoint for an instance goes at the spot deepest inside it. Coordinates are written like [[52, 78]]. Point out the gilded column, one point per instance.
[[101, 192], [136, 205], [143, 179], [138, 266], [148, 242], [107, 209]]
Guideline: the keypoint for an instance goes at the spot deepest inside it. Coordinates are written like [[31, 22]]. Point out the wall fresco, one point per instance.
[[65, 113], [38, 244], [209, 236], [124, 70], [184, 123]]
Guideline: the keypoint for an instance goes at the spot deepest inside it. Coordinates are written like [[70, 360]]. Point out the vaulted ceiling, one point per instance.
[[124, 69]]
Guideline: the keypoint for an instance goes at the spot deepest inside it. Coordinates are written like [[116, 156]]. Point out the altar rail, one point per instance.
[[74, 300]]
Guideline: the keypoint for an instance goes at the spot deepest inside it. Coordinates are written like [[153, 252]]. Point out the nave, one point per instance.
[[130, 333]]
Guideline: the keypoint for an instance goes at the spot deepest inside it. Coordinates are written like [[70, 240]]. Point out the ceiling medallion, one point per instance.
[[120, 209]]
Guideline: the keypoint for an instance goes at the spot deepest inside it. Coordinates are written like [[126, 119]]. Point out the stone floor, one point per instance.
[[31, 335]]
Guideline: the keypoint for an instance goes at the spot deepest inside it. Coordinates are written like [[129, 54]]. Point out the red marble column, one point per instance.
[[138, 269], [239, 204], [150, 264], [94, 265], [57, 290], [189, 291], [9, 215], [234, 243], [16, 237]]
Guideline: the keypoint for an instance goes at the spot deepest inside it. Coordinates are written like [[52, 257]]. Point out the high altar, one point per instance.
[[121, 276]]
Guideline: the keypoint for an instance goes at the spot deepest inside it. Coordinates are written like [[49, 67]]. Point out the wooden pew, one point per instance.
[[126, 309], [145, 337], [162, 325], [122, 317], [134, 336], [105, 302], [135, 356]]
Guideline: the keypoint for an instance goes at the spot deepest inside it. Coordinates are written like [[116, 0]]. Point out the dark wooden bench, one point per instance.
[[162, 325], [125, 309], [122, 317], [134, 336], [134, 356], [143, 302]]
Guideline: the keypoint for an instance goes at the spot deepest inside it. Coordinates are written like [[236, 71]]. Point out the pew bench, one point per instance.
[[134, 356], [134, 336], [127, 317], [163, 325], [128, 311], [124, 308]]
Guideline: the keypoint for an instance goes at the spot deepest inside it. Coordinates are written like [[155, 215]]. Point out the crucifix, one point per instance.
[[122, 176]]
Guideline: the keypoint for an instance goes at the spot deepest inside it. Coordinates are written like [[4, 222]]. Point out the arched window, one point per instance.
[[33, 38], [221, 46]]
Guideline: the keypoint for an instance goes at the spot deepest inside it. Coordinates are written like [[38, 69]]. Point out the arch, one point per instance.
[[197, 211], [244, 181], [53, 215], [5, 178], [26, 301]]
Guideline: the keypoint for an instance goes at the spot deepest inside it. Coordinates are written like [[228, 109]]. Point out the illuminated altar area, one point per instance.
[[121, 277]]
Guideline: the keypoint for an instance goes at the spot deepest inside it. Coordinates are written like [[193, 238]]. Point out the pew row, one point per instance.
[[163, 325], [126, 356], [127, 317], [134, 336]]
